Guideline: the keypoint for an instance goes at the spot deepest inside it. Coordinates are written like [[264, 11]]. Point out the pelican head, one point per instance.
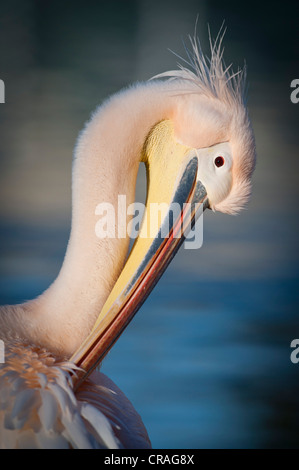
[[193, 133], [212, 118]]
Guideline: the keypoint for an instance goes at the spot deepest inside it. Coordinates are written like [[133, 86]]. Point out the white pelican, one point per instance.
[[193, 133]]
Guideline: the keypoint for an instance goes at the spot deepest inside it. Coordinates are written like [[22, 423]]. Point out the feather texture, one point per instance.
[[38, 408]]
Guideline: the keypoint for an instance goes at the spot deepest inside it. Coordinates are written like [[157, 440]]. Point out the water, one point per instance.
[[206, 361], [213, 370]]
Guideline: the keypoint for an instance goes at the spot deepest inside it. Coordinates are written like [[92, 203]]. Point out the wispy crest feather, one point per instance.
[[210, 74]]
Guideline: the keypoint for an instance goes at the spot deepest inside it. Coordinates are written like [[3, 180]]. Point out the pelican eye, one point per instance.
[[219, 161]]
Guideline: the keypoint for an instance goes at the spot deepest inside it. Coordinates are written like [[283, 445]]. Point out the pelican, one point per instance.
[[191, 128]]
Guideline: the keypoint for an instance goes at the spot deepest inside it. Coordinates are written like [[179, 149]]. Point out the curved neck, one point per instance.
[[106, 163]]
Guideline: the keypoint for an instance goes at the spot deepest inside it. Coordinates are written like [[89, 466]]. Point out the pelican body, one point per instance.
[[193, 133]]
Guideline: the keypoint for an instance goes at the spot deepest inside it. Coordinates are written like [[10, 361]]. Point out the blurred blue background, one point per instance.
[[206, 361]]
